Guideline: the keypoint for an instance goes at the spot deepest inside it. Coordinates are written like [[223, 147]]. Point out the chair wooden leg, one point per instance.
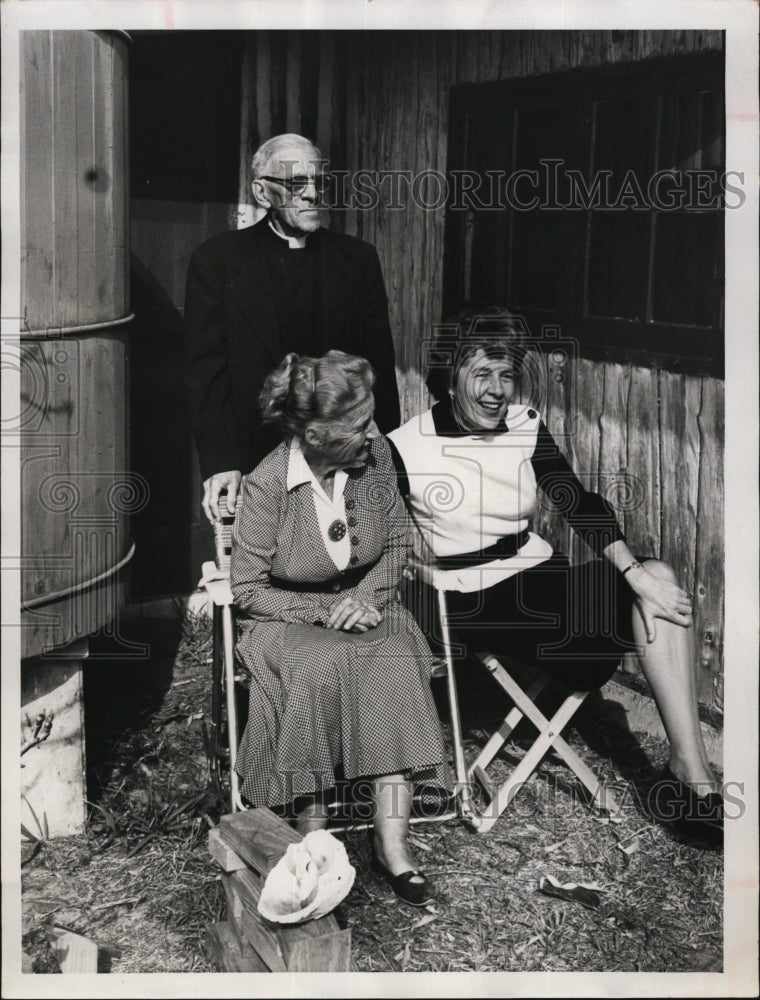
[[551, 729], [601, 796], [521, 698], [514, 717], [503, 794]]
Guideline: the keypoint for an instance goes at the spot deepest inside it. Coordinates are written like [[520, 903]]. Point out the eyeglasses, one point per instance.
[[297, 185]]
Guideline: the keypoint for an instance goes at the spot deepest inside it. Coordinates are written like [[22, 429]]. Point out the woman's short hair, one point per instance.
[[302, 390], [496, 330]]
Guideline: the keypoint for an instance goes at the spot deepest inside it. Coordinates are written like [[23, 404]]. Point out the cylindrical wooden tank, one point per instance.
[[77, 491]]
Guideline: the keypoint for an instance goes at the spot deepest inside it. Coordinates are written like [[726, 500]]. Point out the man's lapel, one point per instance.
[[336, 281], [252, 289]]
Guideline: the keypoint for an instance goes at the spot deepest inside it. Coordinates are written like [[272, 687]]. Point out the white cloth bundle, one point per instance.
[[308, 881]]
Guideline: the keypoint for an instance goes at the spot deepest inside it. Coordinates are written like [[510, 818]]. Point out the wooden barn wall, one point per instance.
[[397, 118], [650, 440], [379, 101]]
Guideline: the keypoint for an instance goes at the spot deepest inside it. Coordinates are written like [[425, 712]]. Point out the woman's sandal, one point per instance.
[[413, 893]]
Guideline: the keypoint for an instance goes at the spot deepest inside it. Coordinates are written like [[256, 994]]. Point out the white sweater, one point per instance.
[[466, 492]]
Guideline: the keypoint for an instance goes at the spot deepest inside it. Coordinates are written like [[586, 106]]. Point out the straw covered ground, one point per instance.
[[141, 884]]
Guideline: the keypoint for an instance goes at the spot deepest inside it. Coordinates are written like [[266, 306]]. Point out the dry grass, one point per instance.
[[141, 884]]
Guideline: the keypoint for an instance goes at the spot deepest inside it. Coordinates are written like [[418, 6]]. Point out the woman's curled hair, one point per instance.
[[303, 389], [493, 329]]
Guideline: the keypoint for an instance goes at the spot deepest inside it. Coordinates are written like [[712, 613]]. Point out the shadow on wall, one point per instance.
[[161, 446]]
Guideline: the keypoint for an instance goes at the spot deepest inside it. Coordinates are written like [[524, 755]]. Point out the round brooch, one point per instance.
[[337, 530]]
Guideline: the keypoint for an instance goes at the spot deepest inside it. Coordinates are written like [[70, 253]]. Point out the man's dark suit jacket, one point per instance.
[[232, 340]]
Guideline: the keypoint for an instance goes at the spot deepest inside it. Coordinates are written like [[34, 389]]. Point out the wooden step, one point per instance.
[[234, 911], [258, 837], [247, 845], [260, 934], [320, 955], [228, 954], [313, 946], [222, 853]]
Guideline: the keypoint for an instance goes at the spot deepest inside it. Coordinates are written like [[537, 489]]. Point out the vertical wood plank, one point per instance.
[[277, 81], [643, 448], [308, 69], [709, 576], [558, 380], [120, 125], [679, 471], [293, 82], [65, 186], [354, 70], [325, 85], [101, 187], [263, 89], [245, 211], [612, 438], [114, 167], [60, 400], [332, 108], [37, 290], [585, 440], [82, 52]]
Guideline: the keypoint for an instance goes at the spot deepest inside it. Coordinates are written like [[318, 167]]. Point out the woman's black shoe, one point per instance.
[[413, 893], [674, 802]]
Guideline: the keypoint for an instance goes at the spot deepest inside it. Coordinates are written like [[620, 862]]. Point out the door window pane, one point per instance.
[[618, 265], [686, 268]]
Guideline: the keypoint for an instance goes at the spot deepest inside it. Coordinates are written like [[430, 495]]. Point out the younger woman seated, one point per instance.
[[471, 467]]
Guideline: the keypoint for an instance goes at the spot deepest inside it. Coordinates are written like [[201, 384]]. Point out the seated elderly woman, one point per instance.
[[339, 671], [471, 467]]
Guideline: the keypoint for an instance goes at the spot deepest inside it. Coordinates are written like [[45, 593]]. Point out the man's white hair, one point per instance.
[[268, 152]]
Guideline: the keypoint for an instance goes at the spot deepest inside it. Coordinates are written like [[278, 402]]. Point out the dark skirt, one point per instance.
[[573, 621]]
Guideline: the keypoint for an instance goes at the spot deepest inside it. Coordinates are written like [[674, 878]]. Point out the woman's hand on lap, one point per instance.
[[351, 614], [659, 598]]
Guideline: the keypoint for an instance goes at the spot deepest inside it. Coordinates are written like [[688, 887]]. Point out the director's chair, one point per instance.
[[228, 684], [470, 779], [482, 810]]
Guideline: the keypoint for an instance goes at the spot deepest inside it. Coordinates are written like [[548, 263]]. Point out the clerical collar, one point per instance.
[[294, 242], [446, 424]]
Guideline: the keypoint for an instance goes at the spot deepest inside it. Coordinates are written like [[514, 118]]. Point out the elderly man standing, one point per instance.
[[253, 295]]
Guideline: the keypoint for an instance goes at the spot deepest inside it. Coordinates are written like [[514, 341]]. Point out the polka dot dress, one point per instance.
[[321, 699]]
